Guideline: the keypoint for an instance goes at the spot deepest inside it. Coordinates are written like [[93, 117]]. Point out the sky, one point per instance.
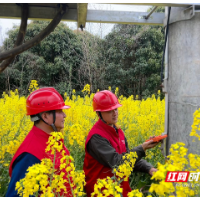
[[94, 28]]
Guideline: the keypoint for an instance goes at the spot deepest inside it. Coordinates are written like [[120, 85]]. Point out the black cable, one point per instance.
[[166, 34], [81, 26]]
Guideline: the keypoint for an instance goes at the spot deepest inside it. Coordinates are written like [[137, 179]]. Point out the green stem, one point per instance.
[[70, 184], [51, 177], [54, 160]]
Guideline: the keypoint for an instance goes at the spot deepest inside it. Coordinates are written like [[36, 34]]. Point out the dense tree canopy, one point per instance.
[[134, 56], [129, 57], [51, 63]]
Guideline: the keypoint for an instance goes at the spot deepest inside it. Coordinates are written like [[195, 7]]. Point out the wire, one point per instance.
[[146, 17], [166, 34], [81, 26]]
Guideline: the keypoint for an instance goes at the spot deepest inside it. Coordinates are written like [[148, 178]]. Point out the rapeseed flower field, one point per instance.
[[138, 119]]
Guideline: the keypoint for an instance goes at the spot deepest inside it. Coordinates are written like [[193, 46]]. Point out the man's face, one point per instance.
[[111, 117], [60, 119]]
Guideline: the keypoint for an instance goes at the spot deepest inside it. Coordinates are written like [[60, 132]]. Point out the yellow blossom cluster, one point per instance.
[[77, 134], [178, 160], [55, 142], [110, 186], [196, 124], [36, 180], [138, 120], [86, 89], [48, 179], [135, 193], [124, 170], [14, 125], [107, 187], [33, 86], [117, 91]]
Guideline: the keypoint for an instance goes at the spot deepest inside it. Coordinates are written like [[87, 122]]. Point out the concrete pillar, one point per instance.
[[183, 84]]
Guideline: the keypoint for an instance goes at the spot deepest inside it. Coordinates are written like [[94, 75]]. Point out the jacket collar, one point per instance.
[[37, 131], [106, 127]]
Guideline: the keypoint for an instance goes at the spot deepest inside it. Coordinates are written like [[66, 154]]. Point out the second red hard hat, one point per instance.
[[105, 101]]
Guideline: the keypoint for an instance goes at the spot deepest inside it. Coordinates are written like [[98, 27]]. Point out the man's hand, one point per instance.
[[150, 144], [152, 170]]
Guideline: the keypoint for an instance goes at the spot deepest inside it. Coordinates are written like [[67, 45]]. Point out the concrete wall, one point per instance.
[[183, 79]]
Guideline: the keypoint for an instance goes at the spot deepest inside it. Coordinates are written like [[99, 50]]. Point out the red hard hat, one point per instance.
[[44, 99], [105, 101]]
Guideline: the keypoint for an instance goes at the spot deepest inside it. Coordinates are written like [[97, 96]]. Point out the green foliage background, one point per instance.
[[129, 57]]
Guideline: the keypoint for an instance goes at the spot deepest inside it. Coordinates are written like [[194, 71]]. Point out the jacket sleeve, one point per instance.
[[101, 150], [139, 150], [141, 165], [20, 166]]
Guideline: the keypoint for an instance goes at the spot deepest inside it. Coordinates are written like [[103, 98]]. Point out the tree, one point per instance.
[[134, 58], [129, 58], [92, 66], [20, 37], [53, 62], [8, 56]]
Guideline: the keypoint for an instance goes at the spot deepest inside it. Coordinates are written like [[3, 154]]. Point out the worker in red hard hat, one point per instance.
[[45, 107], [106, 144]]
